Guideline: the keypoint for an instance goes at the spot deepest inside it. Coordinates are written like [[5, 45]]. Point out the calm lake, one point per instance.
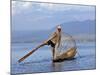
[[41, 60]]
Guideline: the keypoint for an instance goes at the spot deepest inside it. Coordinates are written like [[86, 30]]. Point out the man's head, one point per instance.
[[59, 28]]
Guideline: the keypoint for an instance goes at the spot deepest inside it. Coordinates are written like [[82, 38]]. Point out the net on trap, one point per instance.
[[66, 43]]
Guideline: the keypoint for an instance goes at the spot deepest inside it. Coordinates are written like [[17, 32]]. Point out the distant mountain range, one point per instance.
[[78, 29]]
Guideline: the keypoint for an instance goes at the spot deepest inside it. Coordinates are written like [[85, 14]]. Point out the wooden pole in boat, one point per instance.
[[24, 57]]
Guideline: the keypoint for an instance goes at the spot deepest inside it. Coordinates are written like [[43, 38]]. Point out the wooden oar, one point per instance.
[[24, 57]]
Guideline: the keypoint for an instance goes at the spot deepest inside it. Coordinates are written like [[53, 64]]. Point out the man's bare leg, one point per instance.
[[53, 52]]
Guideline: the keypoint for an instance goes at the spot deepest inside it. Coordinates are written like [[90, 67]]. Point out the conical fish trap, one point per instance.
[[67, 47]]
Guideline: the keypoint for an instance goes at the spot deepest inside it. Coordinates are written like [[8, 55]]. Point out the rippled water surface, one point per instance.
[[41, 60]]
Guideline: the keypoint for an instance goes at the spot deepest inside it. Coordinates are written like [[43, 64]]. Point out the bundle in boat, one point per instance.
[[69, 54]]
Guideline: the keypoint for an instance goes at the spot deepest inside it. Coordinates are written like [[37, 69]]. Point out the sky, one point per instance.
[[44, 16]]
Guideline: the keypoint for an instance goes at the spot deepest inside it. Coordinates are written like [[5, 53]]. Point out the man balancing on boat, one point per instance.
[[54, 41]]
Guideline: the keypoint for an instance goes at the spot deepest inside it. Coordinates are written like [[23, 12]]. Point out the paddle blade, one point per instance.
[[23, 58]]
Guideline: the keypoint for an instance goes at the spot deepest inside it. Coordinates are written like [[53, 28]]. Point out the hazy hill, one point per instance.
[[78, 29]]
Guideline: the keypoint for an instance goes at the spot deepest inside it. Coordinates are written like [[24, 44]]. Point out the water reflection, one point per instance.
[[56, 66]]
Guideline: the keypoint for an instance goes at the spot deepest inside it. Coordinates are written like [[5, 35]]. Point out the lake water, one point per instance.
[[41, 60]]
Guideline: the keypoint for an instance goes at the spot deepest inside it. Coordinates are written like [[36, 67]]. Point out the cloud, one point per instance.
[[18, 6], [51, 8]]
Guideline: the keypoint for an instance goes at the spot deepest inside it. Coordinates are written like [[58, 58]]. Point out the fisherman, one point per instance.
[[54, 41]]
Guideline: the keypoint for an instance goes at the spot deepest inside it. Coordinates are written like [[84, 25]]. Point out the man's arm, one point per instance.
[[51, 37]]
